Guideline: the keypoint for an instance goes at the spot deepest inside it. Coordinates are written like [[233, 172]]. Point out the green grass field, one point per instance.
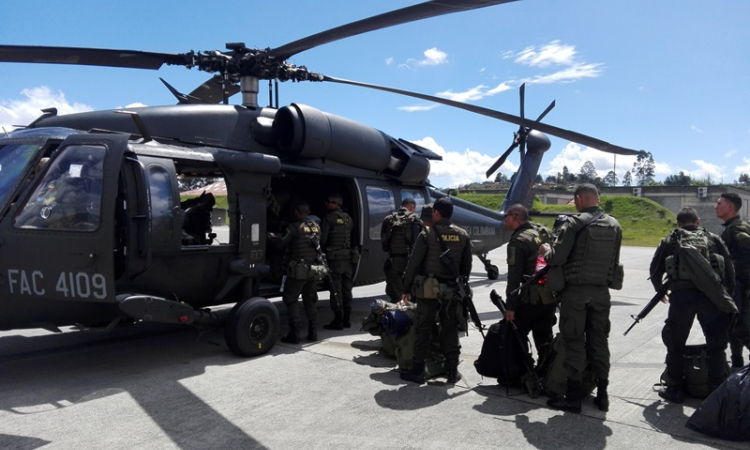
[[644, 222]]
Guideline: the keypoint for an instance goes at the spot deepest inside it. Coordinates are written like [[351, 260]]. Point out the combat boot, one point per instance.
[[454, 376], [293, 336], [416, 374], [346, 322], [672, 394], [337, 323], [602, 399], [312, 331], [572, 400]]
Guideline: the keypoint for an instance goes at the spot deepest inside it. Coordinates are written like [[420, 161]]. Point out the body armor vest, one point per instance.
[[339, 236], [593, 258], [398, 242], [455, 239], [302, 247]]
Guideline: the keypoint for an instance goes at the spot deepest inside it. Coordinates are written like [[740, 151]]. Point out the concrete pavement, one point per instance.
[[155, 387]]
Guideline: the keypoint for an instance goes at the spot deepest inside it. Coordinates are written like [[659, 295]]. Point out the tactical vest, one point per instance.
[[339, 236], [531, 239], [455, 239], [302, 247], [738, 229], [399, 241], [592, 260]]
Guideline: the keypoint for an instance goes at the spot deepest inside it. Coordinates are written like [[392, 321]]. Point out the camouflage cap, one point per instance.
[[426, 212]]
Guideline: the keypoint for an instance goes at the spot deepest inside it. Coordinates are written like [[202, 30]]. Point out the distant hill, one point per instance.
[[644, 222]]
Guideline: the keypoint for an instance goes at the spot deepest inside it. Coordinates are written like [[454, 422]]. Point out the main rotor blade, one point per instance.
[[501, 160], [400, 16], [522, 95], [544, 128], [88, 56]]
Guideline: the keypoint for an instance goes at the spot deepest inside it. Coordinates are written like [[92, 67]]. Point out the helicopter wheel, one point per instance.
[[493, 272], [252, 327]]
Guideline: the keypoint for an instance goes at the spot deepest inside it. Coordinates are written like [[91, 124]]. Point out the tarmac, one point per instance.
[[163, 387]]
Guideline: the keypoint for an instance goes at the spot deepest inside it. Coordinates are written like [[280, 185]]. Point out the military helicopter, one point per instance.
[[101, 189]]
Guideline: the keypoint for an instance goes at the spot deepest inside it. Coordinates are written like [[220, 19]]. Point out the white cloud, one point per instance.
[[459, 168], [696, 129], [25, 111], [573, 156], [389, 61], [706, 170], [551, 54], [743, 169], [475, 93], [432, 57], [418, 107], [730, 153], [568, 75]]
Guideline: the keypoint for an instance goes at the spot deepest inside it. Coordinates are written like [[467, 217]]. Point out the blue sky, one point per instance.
[[663, 76]]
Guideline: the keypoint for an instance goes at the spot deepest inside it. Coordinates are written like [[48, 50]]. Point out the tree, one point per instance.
[[611, 178], [566, 175], [551, 179], [190, 183], [682, 179], [538, 179], [501, 178], [627, 180], [644, 168], [588, 173], [744, 179]]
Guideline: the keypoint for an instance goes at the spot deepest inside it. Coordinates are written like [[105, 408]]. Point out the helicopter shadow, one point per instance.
[[147, 365]]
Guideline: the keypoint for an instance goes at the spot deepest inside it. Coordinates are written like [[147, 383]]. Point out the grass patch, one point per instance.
[[644, 222]]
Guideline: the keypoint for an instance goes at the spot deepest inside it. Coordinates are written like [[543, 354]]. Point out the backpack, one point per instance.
[[694, 261], [502, 356], [555, 376]]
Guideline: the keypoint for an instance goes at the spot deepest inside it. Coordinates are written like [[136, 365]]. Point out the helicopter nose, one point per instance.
[[537, 142]]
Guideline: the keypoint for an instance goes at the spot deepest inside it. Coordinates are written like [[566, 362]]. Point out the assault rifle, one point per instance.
[[531, 280], [528, 362], [649, 306], [324, 262], [462, 284]]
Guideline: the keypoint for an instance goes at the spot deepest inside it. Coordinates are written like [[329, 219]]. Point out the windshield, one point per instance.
[[14, 161]]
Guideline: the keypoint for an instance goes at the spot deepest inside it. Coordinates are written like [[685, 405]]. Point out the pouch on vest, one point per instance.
[[298, 270], [431, 288], [546, 295], [555, 279], [618, 277]]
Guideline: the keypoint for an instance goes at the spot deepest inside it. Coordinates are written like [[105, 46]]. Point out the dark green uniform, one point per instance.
[[397, 235], [425, 263], [336, 241], [686, 301], [299, 280], [530, 314], [736, 236], [589, 262]]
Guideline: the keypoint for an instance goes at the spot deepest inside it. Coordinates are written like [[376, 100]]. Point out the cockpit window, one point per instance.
[[69, 196], [14, 160]]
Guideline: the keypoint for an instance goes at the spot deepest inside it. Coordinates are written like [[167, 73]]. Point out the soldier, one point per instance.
[[300, 239], [197, 219], [397, 235], [336, 240], [687, 300], [589, 260], [436, 290], [426, 215], [526, 308], [736, 236]]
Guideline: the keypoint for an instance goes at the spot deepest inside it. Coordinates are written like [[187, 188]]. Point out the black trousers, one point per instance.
[[684, 306]]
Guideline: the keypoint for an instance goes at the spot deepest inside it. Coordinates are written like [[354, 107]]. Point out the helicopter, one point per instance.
[[101, 189]]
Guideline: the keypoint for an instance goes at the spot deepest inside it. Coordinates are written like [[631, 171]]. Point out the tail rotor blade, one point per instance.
[[522, 95], [499, 162], [544, 113]]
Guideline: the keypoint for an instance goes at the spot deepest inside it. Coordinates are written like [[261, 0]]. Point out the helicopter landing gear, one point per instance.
[[492, 270], [252, 327]]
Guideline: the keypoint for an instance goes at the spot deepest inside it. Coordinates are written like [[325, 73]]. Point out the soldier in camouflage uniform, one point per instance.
[[425, 268], [299, 239], [397, 235], [736, 236], [589, 260], [336, 241], [526, 308]]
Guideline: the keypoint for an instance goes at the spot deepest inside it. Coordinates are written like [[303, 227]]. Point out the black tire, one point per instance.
[[252, 327], [493, 272]]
